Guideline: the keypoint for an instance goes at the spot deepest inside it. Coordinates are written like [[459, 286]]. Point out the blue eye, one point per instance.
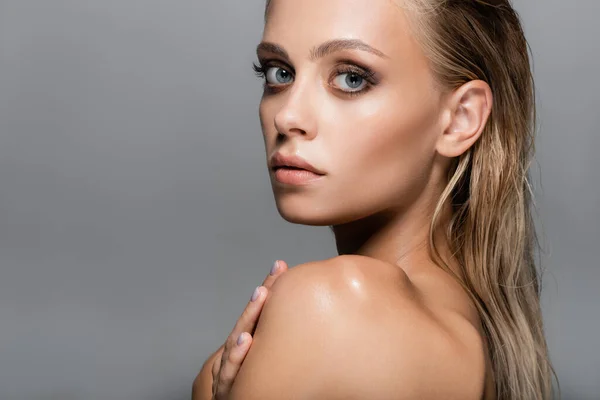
[[273, 75], [277, 75], [358, 80], [352, 80]]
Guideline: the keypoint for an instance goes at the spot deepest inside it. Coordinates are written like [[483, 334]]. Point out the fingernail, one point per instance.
[[274, 267], [241, 339], [255, 294]]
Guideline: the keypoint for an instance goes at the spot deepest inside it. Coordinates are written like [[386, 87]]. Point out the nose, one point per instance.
[[297, 114]]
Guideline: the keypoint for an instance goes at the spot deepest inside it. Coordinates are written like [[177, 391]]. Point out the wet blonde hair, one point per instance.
[[491, 232]]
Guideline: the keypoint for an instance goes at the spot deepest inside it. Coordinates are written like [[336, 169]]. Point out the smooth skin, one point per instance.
[[381, 320]]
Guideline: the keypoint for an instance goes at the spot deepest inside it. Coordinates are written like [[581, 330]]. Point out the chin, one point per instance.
[[297, 215], [311, 213]]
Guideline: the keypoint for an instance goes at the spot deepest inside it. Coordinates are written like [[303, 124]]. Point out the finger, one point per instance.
[[215, 373], [231, 365], [279, 267], [249, 317], [217, 363], [216, 367], [247, 321]]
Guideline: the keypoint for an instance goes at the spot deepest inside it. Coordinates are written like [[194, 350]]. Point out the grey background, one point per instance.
[[136, 215]]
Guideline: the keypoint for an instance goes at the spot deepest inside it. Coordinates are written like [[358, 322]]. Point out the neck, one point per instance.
[[399, 237]]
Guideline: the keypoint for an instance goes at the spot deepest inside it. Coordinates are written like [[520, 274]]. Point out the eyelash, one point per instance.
[[366, 74]]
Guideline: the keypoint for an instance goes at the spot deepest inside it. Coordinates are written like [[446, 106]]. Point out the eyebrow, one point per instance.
[[329, 47]]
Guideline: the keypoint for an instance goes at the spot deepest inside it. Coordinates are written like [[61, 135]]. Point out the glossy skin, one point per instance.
[[385, 154], [353, 327]]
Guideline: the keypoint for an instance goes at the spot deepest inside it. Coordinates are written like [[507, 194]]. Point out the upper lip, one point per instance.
[[280, 160]]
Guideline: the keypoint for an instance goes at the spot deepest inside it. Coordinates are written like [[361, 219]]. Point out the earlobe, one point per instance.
[[469, 108]]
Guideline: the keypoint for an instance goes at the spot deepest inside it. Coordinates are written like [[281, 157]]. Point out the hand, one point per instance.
[[233, 352]]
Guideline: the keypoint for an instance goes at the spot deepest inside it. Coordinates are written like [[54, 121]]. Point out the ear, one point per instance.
[[467, 111]]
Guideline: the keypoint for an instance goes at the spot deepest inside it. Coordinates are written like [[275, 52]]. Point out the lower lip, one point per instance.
[[295, 176]]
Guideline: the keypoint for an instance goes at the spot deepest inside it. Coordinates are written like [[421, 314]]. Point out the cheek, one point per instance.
[[266, 114], [387, 150], [263, 116]]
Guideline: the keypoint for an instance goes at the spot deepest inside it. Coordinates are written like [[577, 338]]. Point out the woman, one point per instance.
[[407, 126]]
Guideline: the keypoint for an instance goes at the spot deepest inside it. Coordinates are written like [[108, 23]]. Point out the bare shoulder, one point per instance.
[[353, 327]]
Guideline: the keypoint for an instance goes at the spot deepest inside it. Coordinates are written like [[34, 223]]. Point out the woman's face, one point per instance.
[[363, 111]]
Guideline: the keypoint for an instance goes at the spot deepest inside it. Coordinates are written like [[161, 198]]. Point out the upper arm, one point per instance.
[[347, 334]]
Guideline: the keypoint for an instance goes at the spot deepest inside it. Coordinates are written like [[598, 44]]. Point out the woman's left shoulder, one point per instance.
[[429, 311], [353, 327], [384, 308], [354, 273]]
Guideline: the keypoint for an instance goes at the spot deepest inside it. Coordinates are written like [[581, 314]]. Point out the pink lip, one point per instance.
[[279, 160], [298, 177], [294, 170]]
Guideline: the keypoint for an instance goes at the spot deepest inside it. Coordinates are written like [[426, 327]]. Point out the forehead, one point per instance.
[[298, 26]]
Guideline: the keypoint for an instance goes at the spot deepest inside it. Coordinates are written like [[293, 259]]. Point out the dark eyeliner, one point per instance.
[[261, 69], [365, 73], [263, 66], [342, 67]]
